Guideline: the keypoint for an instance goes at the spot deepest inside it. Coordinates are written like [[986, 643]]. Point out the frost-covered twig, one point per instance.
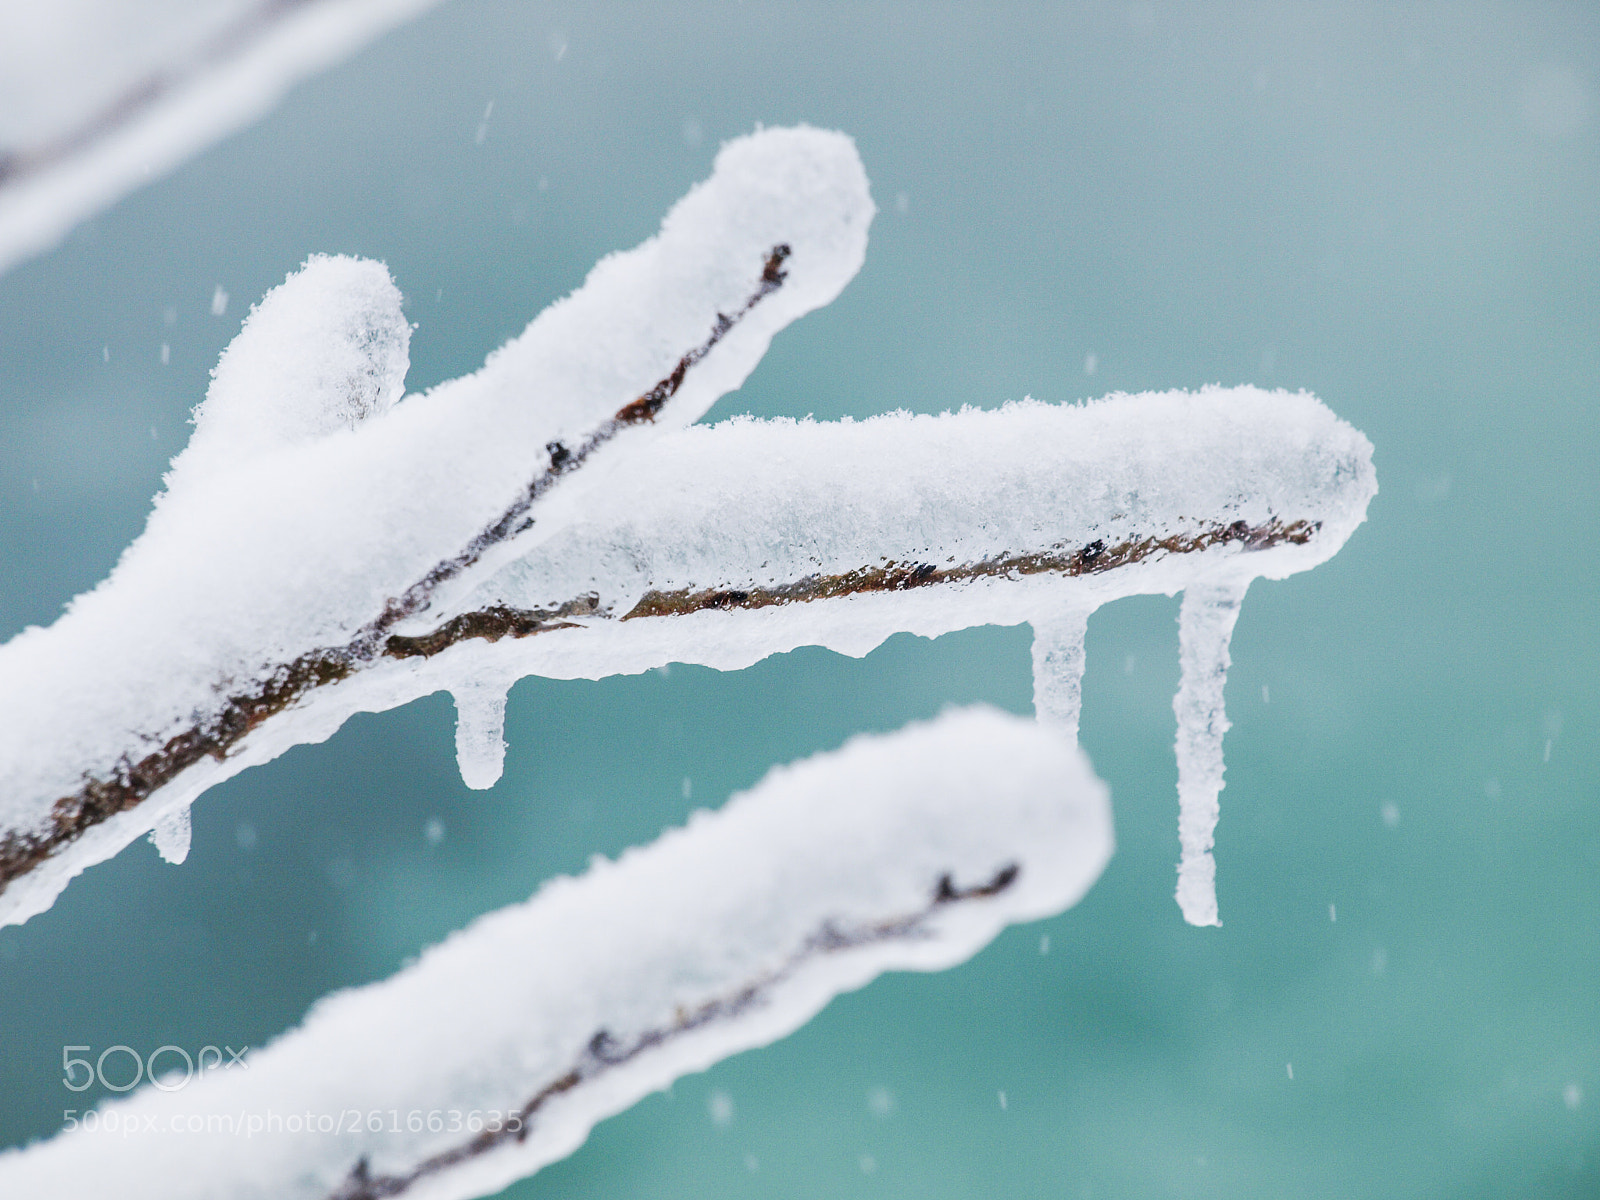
[[840, 535], [131, 782], [564, 460], [606, 1052], [905, 852]]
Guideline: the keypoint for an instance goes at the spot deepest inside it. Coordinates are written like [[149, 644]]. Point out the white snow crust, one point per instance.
[[100, 97], [749, 504], [324, 351], [831, 849]]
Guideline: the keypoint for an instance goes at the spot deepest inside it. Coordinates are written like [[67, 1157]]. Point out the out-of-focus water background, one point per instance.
[[1394, 206]]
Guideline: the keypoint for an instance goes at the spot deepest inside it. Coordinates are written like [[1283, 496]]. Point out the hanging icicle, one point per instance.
[[480, 733], [1205, 626], [1058, 668], [171, 835]]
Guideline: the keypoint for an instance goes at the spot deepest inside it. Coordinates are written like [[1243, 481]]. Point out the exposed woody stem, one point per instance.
[[1093, 559], [606, 1051]]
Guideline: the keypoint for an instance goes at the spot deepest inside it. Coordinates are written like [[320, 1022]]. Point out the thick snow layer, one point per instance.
[[765, 504], [325, 351], [99, 97], [722, 936]]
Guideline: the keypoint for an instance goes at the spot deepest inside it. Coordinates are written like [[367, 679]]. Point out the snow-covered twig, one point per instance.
[[564, 460], [904, 852]]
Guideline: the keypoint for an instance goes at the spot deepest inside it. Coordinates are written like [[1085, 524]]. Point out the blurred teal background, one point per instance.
[[1394, 206]]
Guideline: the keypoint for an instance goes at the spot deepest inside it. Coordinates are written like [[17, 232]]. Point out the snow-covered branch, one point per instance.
[[904, 852], [130, 782], [325, 548]]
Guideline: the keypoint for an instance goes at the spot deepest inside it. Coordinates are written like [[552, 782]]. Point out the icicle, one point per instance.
[[1058, 668], [171, 836], [1205, 625], [480, 733]]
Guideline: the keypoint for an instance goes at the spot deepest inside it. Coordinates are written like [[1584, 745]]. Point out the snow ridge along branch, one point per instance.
[[907, 851], [605, 1051]]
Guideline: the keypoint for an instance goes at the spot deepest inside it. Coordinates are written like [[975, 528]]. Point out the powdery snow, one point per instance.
[[904, 852], [322, 352]]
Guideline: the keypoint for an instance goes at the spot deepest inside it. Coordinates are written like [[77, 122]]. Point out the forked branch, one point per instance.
[[132, 780]]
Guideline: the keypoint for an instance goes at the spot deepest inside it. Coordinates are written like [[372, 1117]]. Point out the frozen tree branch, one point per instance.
[[702, 506], [326, 547], [473, 536], [132, 782], [606, 1052], [564, 461], [904, 852]]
